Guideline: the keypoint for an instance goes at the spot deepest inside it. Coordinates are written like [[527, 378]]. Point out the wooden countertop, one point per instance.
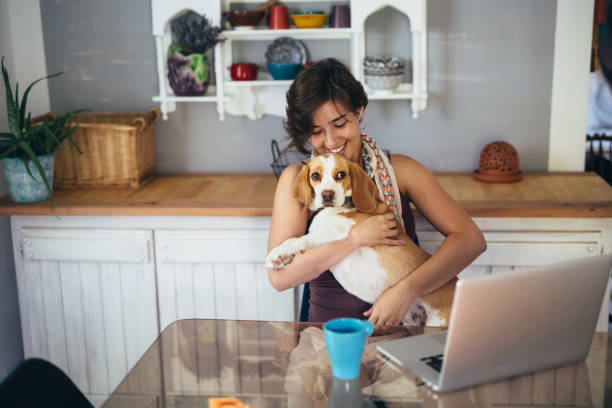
[[536, 195]]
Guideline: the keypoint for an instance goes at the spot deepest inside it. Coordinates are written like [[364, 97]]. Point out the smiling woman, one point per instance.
[[325, 105]]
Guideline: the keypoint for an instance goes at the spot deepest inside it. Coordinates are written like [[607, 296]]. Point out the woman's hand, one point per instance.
[[391, 307], [376, 230]]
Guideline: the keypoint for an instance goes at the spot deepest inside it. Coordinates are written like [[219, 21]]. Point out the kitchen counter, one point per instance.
[[536, 195]]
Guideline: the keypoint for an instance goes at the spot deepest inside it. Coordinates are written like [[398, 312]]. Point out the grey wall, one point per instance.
[[490, 77], [11, 349]]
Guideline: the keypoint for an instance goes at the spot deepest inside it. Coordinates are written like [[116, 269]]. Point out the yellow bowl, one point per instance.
[[308, 20]]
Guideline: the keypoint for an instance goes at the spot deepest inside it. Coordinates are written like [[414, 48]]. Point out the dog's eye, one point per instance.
[[315, 176], [340, 175]]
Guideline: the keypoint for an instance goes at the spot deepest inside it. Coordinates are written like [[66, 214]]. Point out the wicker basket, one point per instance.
[[118, 150]]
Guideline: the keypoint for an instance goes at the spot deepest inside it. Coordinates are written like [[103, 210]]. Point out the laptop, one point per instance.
[[507, 324]]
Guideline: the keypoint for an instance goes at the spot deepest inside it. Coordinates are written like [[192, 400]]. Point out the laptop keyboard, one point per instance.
[[434, 362], [440, 338]]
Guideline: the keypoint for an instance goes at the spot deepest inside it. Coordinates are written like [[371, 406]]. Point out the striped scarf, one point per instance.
[[383, 175]]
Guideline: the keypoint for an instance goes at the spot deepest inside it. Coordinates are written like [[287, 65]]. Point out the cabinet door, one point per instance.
[[214, 274], [90, 302], [507, 250], [217, 275]]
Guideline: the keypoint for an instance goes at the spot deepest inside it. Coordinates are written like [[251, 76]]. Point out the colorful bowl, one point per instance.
[[244, 19], [309, 20], [284, 71]]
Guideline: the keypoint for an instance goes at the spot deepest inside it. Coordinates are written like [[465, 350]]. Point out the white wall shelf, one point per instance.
[[404, 91], [211, 96], [265, 95], [324, 33], [259, 82]]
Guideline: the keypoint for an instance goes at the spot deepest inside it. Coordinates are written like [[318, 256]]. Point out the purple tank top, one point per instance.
[[329, 300]]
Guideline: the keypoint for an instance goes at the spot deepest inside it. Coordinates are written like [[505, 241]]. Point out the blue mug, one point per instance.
[[345, 339]]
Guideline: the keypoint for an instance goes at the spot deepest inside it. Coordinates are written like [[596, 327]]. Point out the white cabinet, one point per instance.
[[93, 289], [266, 96], [88, 301], [217, 274], [515, 243]]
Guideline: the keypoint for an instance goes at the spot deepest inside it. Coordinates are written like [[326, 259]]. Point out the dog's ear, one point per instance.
[[364, 189], [301, 187]]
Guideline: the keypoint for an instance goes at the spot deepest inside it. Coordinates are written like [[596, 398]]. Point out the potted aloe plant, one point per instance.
[[27, 149]]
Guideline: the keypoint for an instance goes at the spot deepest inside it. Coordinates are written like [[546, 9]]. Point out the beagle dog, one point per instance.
[[341, 194]]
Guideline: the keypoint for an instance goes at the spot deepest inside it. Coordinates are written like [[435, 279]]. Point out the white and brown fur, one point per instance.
[[367, 271]]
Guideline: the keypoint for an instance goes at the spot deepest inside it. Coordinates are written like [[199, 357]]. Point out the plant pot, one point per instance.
[[188, 75], [22, 188]]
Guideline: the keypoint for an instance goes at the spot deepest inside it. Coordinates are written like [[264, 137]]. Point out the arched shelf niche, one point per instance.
[[416, 12], [163, 12], [383, 29]]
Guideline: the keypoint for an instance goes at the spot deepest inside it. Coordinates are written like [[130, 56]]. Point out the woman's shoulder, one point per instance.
[[289, 174], [409, 171], [291, 171], [403, 162]]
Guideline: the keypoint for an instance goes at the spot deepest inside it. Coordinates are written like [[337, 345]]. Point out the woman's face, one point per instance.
[[336, 130]]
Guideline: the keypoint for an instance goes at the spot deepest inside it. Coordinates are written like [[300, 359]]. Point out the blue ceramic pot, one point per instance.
[[284, 71], [22, 188]]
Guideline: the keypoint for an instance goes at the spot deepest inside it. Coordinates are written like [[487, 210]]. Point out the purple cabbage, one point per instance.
[[188, 75]]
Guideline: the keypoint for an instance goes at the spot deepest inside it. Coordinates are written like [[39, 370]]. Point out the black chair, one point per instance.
[[599, 156], [37, 383], [305, 303]]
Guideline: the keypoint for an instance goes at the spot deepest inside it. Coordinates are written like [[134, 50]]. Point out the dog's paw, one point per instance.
[[278, 261], [416, 316], [283, 254]]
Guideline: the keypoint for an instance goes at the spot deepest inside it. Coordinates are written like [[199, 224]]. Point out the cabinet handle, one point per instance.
[[591, 248]]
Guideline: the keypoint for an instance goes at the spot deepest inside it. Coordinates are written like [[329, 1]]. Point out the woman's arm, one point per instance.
[[289, 220], [463, 243]]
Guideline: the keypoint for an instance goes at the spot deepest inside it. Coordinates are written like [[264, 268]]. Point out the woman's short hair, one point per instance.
[[325, 80]]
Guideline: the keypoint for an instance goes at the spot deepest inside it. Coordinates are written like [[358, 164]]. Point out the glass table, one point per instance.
[[285, 364]]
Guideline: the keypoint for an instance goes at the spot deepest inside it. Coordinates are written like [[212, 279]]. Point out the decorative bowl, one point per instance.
[[284, 71], [286, 50], [244, 19], [383, 83], [309, 20], [499, 163], [383, 65]]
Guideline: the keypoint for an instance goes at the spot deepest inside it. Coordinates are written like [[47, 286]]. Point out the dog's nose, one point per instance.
[[328, 195]]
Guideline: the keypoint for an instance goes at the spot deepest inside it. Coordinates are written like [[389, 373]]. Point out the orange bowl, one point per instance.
[[314, 20]]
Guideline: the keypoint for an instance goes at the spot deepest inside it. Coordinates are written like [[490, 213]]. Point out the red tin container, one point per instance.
[[245, 71], [278, 18]]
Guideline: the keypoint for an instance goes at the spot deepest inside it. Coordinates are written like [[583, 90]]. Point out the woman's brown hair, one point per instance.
[[325, 80]]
